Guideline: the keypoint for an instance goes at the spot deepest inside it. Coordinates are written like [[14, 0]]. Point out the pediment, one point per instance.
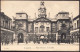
[[42, 19]]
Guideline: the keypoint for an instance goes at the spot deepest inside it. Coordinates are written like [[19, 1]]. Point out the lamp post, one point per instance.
[[48, 36], [35, 37]]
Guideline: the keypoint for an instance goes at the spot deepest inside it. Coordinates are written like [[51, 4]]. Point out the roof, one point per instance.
[[54, 19], [21, 19], [63, 13], [63, 18], [21, 12], [76, 17], [42, 19], [4, 16]]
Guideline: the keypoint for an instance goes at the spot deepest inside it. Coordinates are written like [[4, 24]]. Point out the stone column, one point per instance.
[[10, 24], [57, 36]]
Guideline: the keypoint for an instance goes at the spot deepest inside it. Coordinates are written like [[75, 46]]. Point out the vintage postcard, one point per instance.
[[39, 25]]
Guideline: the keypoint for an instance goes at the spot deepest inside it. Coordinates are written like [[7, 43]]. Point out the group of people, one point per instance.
[[6, 42], [65, 41], [44, 41]]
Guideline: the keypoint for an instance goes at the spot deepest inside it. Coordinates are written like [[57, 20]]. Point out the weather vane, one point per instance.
[[42, 3]]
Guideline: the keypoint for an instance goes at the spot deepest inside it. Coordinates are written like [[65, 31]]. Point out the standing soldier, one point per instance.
[[2, 42], [12, 41], [58, 41], [72, 41], [38, 40], [27, 39], [34, 40]]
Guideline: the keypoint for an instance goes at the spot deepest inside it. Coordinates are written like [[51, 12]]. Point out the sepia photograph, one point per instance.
[[39, 25]]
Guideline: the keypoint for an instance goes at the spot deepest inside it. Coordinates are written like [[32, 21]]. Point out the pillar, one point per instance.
[[56, 36]]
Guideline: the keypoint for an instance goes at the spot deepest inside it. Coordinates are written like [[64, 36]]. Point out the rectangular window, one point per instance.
[[74, 25], [47, 29], [63, 15], [30, 27], [53, 26], [3, 24], [41, 30], [20, 15], [77, 23], [54, 30], [36, 29], [9, 24], [6, 24]]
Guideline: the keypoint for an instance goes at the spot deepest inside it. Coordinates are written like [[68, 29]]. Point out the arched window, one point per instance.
[[42, 28]]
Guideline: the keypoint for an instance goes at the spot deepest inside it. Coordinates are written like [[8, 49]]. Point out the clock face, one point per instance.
[[42, 10]]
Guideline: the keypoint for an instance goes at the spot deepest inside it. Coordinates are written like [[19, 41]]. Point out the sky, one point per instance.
[[10, 8]]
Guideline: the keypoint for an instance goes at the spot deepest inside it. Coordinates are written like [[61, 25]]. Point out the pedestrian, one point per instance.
[[12, 41], [2, 42], [34, 40], [72, 41], [26, 40], [58, 41]]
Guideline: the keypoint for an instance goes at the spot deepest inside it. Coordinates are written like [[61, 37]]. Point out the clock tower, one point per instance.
[[42, 10]]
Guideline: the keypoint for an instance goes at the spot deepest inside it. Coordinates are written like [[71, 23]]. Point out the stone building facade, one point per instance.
[[21, 27], [63, 26], [7, 32], [42, 27], [75, 30]]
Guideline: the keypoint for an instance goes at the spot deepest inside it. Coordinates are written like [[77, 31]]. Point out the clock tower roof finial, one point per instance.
[[42, 3], [42, 10]]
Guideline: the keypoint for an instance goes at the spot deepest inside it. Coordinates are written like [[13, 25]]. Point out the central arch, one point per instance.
[[20, 38]]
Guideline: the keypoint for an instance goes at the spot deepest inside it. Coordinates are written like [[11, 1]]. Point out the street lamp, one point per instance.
[[48, 36]]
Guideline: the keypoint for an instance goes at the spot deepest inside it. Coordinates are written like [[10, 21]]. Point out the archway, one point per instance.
[[20, 38], [43, 38]]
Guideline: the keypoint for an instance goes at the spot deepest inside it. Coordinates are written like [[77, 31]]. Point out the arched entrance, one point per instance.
[[20, 38], [42, 37], [63, 37]]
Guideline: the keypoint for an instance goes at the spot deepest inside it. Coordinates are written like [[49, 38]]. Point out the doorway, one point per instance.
[[20, 38]]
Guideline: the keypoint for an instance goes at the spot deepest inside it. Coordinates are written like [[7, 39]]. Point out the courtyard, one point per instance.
[[40, 47]]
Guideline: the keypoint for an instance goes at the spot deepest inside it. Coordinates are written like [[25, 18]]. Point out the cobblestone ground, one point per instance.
[[41, 47]]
